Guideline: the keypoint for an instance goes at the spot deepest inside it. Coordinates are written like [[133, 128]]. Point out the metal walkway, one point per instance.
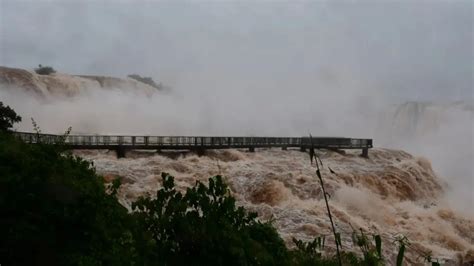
[[200, 144]]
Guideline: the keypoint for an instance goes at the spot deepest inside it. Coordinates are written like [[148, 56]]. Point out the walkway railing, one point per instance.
[[191, 142]]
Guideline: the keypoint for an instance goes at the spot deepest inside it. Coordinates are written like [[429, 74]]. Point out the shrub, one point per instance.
[[44, 70], [54, 210], [203, 227]]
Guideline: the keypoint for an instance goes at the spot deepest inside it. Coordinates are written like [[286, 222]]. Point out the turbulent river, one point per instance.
[[392, 193]]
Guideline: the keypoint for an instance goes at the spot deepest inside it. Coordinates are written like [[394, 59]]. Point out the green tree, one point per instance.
[[8, 117]]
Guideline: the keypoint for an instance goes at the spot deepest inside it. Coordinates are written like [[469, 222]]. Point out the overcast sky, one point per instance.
[[409, 50]]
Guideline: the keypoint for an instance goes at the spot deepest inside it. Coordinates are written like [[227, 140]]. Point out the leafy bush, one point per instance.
[[44, 70], [54, 210], [204, 227]]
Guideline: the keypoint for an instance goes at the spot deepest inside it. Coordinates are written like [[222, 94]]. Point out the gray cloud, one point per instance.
[[406, 50]]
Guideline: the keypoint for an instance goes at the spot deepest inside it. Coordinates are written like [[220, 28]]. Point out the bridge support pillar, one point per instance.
[[365, 152], [200, 152], [120, 151], [303, 148], [252, 149]]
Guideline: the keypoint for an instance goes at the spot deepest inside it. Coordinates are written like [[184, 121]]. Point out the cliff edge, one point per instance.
[[60, 84]]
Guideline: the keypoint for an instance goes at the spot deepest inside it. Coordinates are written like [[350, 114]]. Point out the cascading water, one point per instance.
[[390, 193]]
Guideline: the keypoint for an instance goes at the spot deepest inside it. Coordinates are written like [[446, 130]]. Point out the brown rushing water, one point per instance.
[[390, 193]]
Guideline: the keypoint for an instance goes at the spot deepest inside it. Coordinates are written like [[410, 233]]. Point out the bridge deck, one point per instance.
[[192, 142]]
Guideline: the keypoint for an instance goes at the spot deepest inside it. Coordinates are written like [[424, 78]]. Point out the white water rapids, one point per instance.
[[390, 193]]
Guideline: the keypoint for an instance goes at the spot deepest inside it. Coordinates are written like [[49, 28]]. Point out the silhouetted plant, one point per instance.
[[37, 130], [8, 118], [371, 251], [308, 252], [337, 236], [402, 243]]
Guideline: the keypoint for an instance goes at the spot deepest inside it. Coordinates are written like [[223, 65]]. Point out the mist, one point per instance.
[[117, 111], [404, 50], [447, 144], [255, 68]]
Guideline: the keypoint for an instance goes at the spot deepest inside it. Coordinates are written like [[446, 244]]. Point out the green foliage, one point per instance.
[[8, 117], [44, 70], [309, 253], [378, 245], [400, 255], [54, 210], [402, 244], [372, 252], [204, 227]]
